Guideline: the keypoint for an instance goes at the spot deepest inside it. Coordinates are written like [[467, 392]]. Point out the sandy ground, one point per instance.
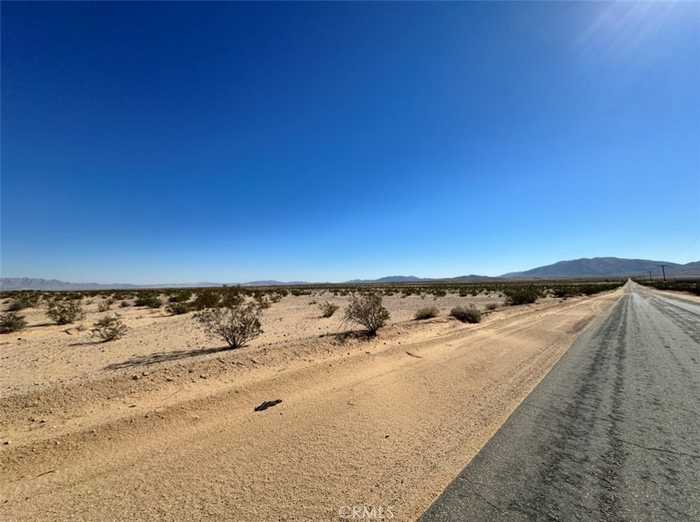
[[160, 425], [45, 354]]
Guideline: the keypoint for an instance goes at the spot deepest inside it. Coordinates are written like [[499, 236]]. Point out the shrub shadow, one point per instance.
[[86, 343], [159, 357], [349, 335]]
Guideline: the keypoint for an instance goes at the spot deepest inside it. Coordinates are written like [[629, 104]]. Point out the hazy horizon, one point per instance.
[[182, 142], [392, 274]]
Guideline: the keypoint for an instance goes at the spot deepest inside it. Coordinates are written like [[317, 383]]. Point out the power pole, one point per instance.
[[663, 271], [649, 275]]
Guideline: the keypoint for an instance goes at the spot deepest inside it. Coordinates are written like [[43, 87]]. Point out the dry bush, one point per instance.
[[206, 298], [234, 324], [125, 304], [426, 313], [521, 295], [177, 308], [20, 303], [262, 301], [180, 296], [11, 322], [491, 306], [103, 306], [65, 312], [368, 311], [327, 308], [466, 314], [148, 300], [230, 297], [109, 328]]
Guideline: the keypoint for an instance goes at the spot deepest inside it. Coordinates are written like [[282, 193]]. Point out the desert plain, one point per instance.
[[161, 424]]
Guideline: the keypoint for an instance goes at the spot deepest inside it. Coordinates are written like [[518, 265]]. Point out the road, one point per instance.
[[612, 432]]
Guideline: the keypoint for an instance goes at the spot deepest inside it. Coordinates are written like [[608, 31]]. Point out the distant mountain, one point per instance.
[[473, 278], [389, 279], [272, 282], [30, 283], [585, 268], [601, 267]]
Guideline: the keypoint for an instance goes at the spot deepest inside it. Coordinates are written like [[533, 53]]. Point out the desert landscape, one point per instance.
[[361, 418], [349, 261]]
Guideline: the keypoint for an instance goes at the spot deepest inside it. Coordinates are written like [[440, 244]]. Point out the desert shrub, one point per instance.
[[491, 306], [262, 301], [11, 322], [148, 300], [229, 297], [103, 306], [236, 324], [109, 328], [466, 314], [518, 295], [20, 303], [180, 297], [426, 313], [206, 299], [65, 312], [327, 308], [177, 308], [565, 291], [125, 304], [368, 311], [276, 298]]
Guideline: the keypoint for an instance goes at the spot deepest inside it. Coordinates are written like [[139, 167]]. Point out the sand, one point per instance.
[[161, 424]]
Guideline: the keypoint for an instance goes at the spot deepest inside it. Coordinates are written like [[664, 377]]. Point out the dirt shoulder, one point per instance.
[[382, 423]]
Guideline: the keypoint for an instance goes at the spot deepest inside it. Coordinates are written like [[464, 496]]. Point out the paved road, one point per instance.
[[612, 433]]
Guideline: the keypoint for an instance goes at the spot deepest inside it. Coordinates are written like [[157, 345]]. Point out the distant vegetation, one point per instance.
[[519, 295], [692, 286], [210, 297], [233, 313], [149, 300]]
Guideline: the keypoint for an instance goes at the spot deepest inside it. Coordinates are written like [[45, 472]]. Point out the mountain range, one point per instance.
[[584, 268]]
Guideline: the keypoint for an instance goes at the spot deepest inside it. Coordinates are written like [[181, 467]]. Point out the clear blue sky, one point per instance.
[[231, 142]]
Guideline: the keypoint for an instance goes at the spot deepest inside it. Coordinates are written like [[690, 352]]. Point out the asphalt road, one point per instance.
[[612, 432]]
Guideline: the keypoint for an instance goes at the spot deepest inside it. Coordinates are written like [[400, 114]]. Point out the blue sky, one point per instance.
[[232, 142]]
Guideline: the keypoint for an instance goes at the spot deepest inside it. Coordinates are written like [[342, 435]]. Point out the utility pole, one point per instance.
[[663, 271], [649, 275]]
